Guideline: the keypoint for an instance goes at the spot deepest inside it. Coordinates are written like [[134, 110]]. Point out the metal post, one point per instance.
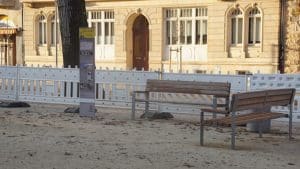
[[201, 127], [146, 104], [214, 107], [133, 107], [260, 128], [170, 59], [233, 128], [17, 82], [290, 120], [180, 62]]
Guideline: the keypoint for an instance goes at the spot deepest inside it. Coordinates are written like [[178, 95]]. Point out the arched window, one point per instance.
[[42, 30], [54, 30], [236, 27], [254, 34]]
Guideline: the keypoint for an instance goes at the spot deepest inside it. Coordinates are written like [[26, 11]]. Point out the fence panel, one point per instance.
[[238, 84], [113, 88], [49, 85], [273, 81], [8, 82]]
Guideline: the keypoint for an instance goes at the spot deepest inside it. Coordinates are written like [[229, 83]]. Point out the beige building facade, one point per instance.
[[10, 32], [227, 36]]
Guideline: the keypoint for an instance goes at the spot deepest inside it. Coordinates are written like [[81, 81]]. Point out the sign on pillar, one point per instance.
[[87, 72]]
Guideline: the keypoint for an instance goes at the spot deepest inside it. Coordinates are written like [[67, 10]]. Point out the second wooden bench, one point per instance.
[[218, 90]]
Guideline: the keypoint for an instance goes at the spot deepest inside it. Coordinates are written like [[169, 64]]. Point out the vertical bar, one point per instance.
[[201, 128], [133, 107], [290, 120], [68, 88], [31, 87], [55, 93], [233, 128], [62, 89], [75, 89], [214, 107], [17, 88], [26, 87], [9, 84], [146, 104], [260, 128]]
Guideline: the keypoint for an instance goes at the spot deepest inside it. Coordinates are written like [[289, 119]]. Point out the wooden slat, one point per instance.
[[153, 81], [258, 99], [280, 92], [278, 97], [190, 87], [219, 111], [250, 101], [246, 118], [172, 102]]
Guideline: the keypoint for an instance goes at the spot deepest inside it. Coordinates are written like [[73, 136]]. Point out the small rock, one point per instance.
[[157, 115], [72, 110], [68, 154], [140, 156], [31, 153], [291, 164], [188, 165], [14, 104]]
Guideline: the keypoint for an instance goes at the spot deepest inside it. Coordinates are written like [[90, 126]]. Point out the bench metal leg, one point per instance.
[[290, 121], [201, 127], [214, 107], [147, 104], [233, 128], [133, 107], [260, 128]]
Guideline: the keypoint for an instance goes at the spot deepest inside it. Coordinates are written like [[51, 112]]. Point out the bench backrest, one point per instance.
[[262, 99], [217, 89]]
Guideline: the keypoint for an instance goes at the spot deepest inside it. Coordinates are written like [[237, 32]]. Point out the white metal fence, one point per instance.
[[113, 87]]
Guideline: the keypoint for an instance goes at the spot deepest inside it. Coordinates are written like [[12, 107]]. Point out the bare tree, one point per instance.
[[72, 15]]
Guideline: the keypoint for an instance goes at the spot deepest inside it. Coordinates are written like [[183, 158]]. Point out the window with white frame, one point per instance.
[[54, 30], [201, 26], [42, 29], [186, 26], [236, 27], [254, 32], [103, 23]]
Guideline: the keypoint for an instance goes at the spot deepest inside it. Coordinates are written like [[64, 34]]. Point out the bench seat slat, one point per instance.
[[219, 111], [190, 86], [246, 118], [191, 91], [194, 83], [172, 102]]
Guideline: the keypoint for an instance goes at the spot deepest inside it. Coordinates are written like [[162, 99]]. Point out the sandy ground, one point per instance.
[[43, 137]]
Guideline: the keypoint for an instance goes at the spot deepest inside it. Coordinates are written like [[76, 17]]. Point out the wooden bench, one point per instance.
[[260, 101], [218, 90]]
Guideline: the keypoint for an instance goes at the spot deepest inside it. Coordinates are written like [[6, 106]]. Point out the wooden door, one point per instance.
[[141, 43]]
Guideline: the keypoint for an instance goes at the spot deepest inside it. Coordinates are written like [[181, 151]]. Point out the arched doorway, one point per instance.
[[7, 41], [140, 45]]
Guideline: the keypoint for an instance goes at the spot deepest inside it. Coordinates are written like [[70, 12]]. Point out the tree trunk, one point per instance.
[[72, 15]]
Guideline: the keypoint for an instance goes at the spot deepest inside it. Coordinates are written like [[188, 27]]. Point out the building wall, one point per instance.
[[12, 9], [221, 56]]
